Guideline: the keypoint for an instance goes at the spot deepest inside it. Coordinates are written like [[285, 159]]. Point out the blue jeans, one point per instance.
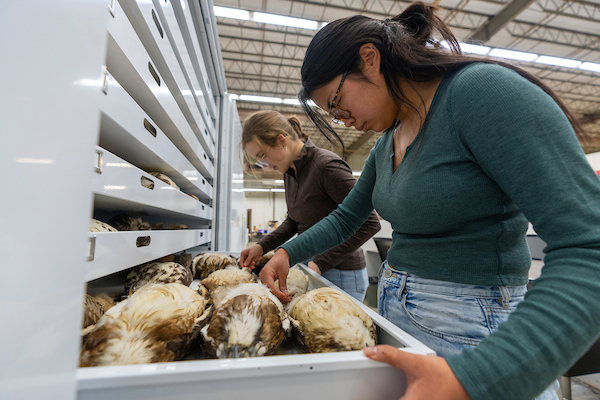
[[355, 283], [447, 317]]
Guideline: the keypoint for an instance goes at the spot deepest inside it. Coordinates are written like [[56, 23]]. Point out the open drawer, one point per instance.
[[342, 375]]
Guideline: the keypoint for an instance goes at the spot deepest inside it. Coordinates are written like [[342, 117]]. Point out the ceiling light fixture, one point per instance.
[[559, 62], [513, 55], [231, 13], [262, 99], [266, 18], [284, 21], [474, 48], [590, 66]]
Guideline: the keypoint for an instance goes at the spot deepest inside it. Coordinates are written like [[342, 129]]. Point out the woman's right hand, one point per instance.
[[250, 255], [277, 269]]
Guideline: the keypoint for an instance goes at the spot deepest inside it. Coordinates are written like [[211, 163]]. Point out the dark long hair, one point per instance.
[[410, 49]]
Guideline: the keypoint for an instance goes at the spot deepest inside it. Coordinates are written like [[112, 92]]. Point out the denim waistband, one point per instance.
[[415, 282]]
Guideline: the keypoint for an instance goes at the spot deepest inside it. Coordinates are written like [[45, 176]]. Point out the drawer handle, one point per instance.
[[204, 183], [92, 252], [206, 132], [111, 7], [105, 78], [202, 208], [205, 156], [143, 241], [149, 127], [147, 183], [99, 161], [154, 73], [201, 234], [160, 30]]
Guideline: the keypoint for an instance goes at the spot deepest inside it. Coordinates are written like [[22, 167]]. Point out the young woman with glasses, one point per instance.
[[315, 181], [471, 150]]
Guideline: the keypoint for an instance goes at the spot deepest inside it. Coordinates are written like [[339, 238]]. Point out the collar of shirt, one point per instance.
[[299, 162]]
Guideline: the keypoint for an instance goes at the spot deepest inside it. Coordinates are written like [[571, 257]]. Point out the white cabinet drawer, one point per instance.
[[347, 375], [128, 132], [129, 62], [194, 61], [111, 252], [117, 179], [155, 38]]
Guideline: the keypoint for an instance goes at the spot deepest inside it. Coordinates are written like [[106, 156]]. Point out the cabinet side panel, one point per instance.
[[49, 93]]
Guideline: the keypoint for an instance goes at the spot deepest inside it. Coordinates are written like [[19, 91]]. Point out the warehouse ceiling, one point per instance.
[[264, 59]]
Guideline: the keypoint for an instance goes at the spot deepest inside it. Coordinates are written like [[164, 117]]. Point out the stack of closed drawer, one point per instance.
[[158, 115]]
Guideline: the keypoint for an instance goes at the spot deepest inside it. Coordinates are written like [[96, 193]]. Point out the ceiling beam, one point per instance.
[[358, 143], [498, 21], [590, 118]]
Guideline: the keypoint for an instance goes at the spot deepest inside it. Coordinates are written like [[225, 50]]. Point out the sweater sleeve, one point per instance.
[[337, 182], [286, 230], [520, 138], [339, 225]]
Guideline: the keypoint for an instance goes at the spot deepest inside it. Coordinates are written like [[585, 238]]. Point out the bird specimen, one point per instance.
[[206, 263], [192, 196], [297, 282], [157, 272], [124, 222], [184, 259], [161, 226], [260, 263], [220, 282], [250, 322], [326, 320], [94, 307], [158, 323], [164, 178], [99, 226]]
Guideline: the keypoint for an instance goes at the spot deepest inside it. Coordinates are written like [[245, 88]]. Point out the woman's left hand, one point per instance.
[[428, 377], [314, 267]]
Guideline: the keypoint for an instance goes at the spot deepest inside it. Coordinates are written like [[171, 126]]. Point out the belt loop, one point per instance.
[[381, 268], [505, 296]]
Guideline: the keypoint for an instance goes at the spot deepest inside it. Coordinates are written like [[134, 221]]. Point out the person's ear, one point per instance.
[[371, 58], [282, 140]]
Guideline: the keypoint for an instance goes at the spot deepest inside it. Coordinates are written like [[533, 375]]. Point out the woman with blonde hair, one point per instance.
[[316, 181]]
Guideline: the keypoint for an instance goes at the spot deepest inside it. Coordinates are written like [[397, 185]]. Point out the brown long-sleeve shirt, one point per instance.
[[321, 181]]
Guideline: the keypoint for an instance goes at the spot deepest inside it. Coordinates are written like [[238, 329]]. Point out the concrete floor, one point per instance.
[[585, 387]]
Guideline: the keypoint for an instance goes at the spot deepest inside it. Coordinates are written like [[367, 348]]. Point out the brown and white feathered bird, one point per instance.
[[207, 263], [164, 178], [160, 226], [297, 282], [250, 322], [157, 272], [99, 226], [192, 196], [326, 320], [94, 307], [124, 222], [220, 282], [184, 259], [262, 261], [158, 323]]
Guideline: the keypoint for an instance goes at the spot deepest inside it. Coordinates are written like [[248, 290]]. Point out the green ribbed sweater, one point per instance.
[[495, 152]]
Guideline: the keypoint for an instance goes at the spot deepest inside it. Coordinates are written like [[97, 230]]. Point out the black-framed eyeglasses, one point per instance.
[[338, 113]]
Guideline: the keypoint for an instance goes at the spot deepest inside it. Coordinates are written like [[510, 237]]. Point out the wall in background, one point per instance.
[[594, 160], [266, 206]]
